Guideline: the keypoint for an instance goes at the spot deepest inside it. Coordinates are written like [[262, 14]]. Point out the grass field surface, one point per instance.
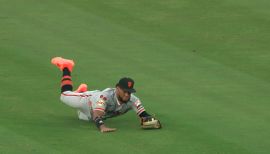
[[201, 66]]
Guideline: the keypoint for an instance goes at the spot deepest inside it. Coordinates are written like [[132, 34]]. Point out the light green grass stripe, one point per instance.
[[12, 142]]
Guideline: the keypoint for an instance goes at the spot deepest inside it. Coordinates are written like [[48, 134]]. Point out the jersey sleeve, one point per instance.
[[100, 103], [137, 105]]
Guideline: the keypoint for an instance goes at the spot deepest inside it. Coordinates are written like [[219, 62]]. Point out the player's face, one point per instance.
[[123, 95]]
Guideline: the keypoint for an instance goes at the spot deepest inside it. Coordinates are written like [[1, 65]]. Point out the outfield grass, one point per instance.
[[201, 66]]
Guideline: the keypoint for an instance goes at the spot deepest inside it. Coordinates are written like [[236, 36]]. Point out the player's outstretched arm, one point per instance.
[[99, 122]]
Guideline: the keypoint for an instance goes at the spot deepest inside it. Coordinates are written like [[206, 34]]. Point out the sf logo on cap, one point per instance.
[[129, 84]]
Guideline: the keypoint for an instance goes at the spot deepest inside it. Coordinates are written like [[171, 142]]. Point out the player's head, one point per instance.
[[124, 88]]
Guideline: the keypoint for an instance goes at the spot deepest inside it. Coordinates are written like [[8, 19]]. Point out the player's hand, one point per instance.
[[150, 122], [105, 129]]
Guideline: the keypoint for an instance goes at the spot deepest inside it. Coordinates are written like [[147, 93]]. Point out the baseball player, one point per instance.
[[99, 105]]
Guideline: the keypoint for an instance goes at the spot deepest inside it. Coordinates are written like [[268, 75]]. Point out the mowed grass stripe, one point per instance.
[[13, 142], [227, 31], [160, 72]]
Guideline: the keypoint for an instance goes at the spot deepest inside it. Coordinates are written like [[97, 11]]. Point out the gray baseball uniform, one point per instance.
[[105, 101]]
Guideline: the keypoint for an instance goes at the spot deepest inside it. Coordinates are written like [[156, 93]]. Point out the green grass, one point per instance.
[[201, 66]]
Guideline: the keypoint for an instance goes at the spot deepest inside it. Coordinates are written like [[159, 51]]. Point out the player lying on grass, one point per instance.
[[98, 105]]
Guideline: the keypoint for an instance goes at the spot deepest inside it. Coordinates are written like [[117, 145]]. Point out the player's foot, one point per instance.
[[61, 63], [82, 88]]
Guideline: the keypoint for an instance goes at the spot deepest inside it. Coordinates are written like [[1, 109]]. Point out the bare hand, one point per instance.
[[105, 129]]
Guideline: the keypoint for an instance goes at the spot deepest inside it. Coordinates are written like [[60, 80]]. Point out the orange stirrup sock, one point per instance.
[[66, 82]]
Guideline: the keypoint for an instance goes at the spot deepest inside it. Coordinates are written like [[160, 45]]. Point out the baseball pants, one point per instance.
[[79, 101]]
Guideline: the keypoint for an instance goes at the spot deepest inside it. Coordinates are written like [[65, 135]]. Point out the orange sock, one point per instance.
[[66, 82]]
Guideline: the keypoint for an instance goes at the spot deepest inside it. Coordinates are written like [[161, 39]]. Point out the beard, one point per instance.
[[121, 100]]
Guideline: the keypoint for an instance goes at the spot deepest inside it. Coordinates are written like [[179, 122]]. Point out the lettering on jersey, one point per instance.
[[103, 97], [101, 103]]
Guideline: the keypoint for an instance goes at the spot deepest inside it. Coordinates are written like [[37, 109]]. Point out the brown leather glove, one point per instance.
[[150, 123]]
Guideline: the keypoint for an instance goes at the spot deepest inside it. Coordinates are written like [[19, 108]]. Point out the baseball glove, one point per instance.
[[150, 123]]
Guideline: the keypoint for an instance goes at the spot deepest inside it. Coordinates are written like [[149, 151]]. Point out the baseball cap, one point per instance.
[[126, 84]]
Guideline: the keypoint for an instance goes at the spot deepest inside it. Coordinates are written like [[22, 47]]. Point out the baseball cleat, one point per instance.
[[61, 63], [82, 88]]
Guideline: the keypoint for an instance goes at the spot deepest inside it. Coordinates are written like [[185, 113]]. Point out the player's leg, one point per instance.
[[67, 96], [84, 113], [75, 99], [82, 116], [66, 66], [82, 88], [72, 99]]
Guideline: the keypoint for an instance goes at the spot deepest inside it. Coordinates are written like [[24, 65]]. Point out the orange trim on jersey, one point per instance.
[[134, 103], [139, 108], [140, 111], [80, 95], [99, 109]]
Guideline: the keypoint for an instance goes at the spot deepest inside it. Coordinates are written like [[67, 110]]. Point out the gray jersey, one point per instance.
[[106, 101]]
